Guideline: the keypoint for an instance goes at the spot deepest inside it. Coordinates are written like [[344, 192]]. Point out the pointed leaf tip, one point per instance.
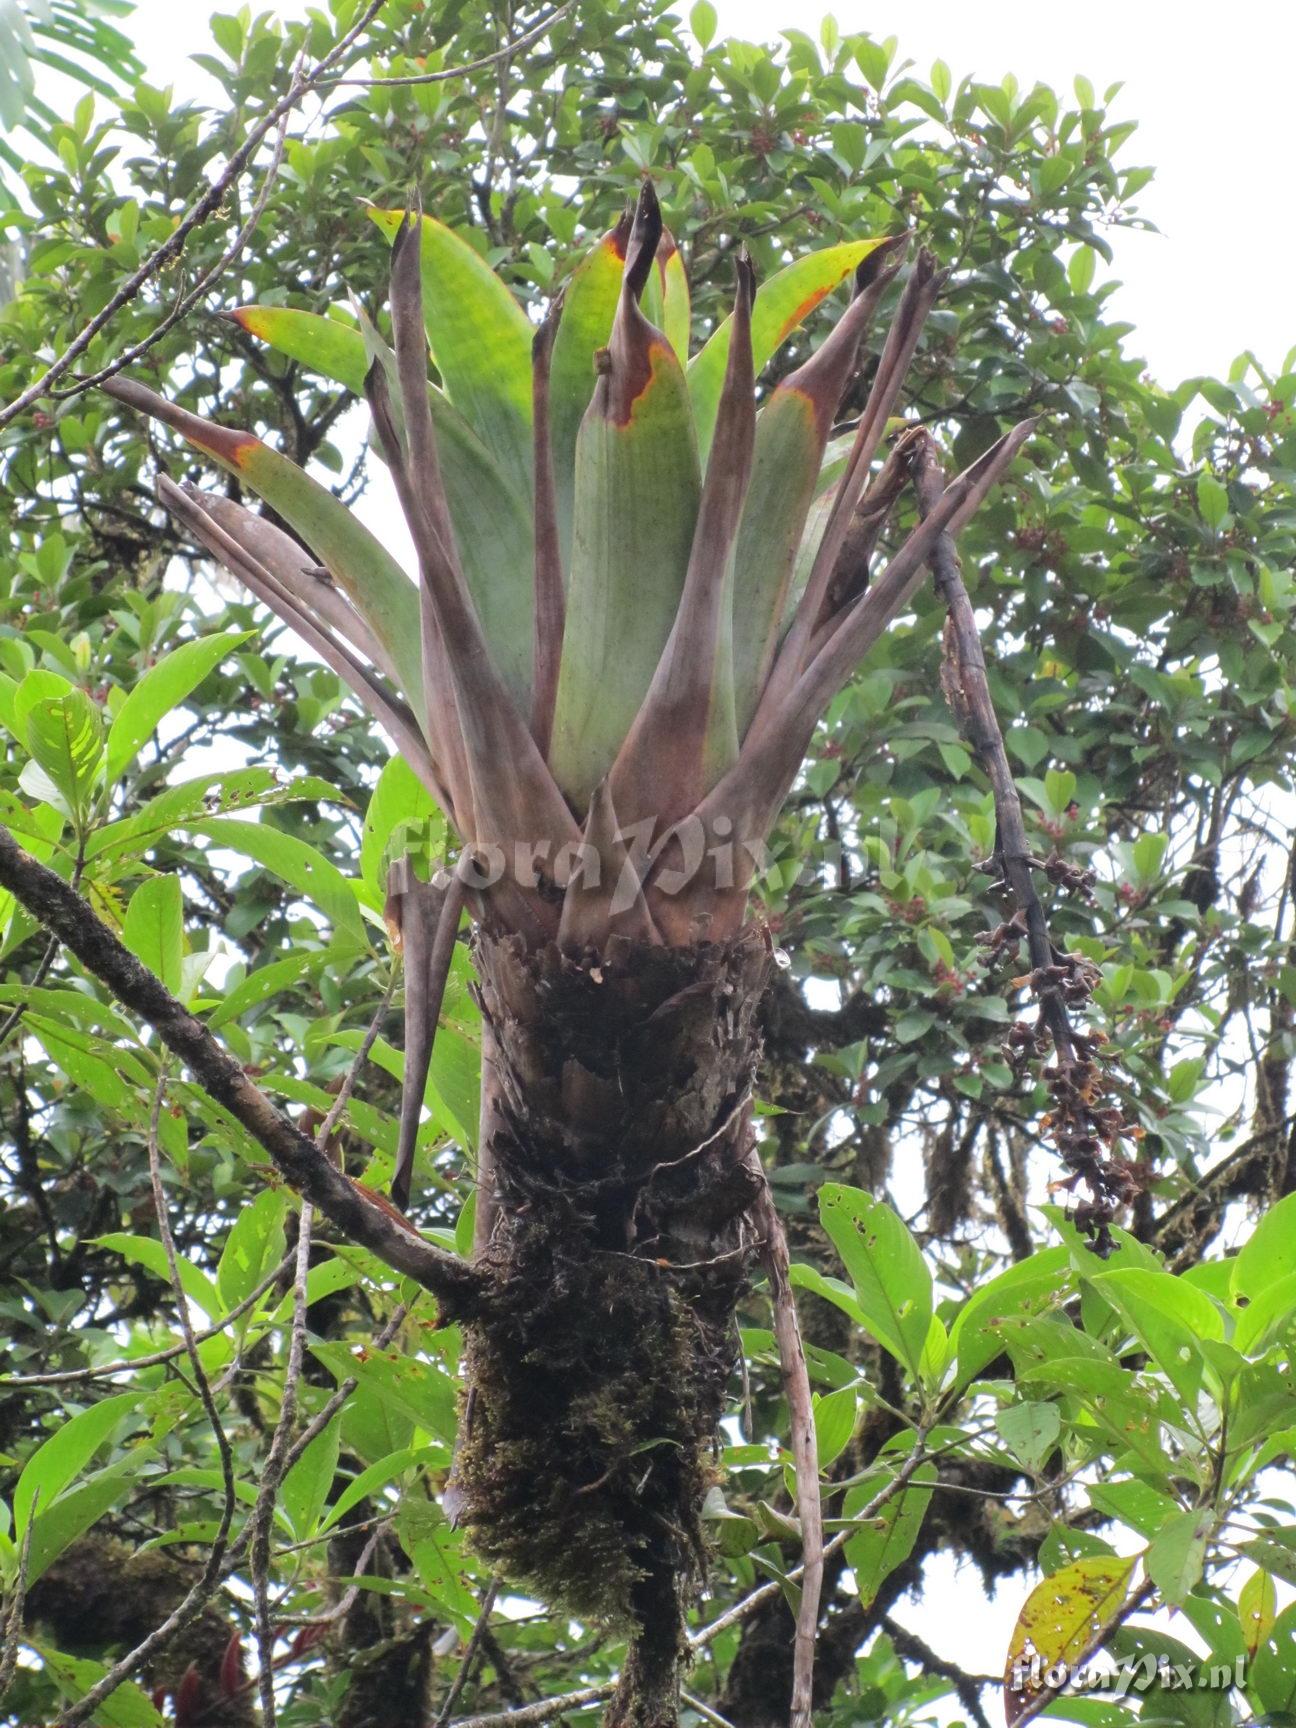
[[887, 255], [645, 234]]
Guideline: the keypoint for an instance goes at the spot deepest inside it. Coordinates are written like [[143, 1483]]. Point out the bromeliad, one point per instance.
[[637, 594]]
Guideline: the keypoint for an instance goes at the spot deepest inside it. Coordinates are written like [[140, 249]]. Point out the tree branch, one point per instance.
[[460, 1288]]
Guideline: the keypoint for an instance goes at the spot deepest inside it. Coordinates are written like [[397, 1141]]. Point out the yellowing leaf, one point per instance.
[[1065, 1618]]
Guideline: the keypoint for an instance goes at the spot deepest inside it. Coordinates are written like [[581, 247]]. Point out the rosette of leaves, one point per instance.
[[637, 592]]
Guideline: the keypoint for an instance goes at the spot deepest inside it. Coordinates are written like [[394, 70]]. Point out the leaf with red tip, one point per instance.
[[214, 527], [637, 491], [480, 340], [791, 438], [371, 579], [916, 301], [786, 300], [321, 344]]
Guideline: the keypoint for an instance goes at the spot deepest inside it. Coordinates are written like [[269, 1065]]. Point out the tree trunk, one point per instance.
[[617, 1121]]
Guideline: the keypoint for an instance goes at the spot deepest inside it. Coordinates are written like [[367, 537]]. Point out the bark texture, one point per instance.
[[617, 1130]]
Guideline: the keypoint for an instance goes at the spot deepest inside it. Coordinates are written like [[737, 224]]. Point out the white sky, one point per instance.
[[1211, 88]]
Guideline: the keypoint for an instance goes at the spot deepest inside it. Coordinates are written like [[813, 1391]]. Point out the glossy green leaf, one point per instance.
[[1030, 1431], [61, 1458], [1269, 1254], [328, 345], [1177, 1553], [147, 1251], [886, 1542], [589, 306], [892, 1282], [308, 1484], [254, 1247], [161, 689], [298, 864], [154, 929], [65, 737]]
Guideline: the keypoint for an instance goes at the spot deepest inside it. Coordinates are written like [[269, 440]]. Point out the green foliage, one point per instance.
[[217, 796]]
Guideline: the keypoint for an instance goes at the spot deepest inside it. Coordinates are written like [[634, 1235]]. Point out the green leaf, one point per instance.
[[1177, 1554], [254, 1247], [327, 345], [493, 532], [417, 1387], [1257, 1609], [127, 1706], [148, 1252], [89, 1063], [1272, 1676], [61, 1458], [377, 1476], [398, 798], [370, 578], [1212, 500], [1269, 1254], [75, 1511], [161, 690], [285, 856], [834, 1417], [702, 22], [308, 1484], [1030, 1431], [783, 303], [481, 344], [892, 1282], [1029, 1287], [65, 738], [589, 306], [154, 929], [874, 1551]]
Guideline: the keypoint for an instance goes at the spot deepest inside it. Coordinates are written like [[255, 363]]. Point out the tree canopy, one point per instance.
[[986, 1386]]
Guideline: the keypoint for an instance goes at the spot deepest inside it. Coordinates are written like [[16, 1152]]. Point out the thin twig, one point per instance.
[[67, 1376], [805, 1452], [206, 1584], [194, 217], [13, 1623], [469, 1656], [186, 303], [348, 1086], [275, 1469], [704, 1710], [501, 54]]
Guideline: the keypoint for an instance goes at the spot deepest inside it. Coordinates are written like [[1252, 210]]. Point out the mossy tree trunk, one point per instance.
[[618, 1151]]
